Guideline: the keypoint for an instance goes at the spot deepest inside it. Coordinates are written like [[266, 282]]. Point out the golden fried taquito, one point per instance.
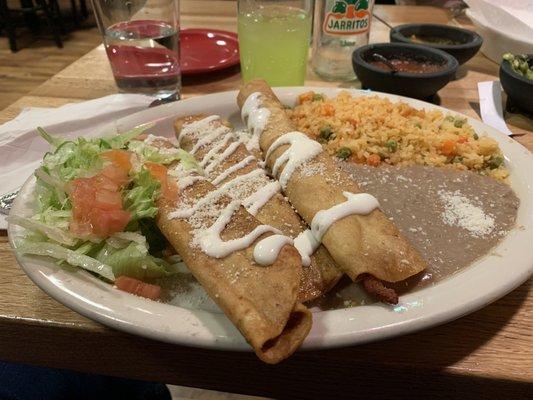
[[321, 274], [261, 301], [359, 243]]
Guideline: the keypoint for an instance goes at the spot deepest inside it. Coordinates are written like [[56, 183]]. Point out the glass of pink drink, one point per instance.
[[141, 39]]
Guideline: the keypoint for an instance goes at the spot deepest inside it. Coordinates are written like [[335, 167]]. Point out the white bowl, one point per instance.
[[495, 42]]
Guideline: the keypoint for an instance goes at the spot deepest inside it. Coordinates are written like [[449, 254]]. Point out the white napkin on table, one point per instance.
[[491, 107], [22, 149]]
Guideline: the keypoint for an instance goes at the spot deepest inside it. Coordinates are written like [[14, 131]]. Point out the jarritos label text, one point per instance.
[[347, 17]]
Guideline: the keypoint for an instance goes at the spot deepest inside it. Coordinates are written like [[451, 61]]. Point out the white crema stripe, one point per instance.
[[211, 135], [220, 158], [308, 241], [189, 180], [360, 203], [300, 150], [212, 244], [196, 126], [257, 200], [185, 178], [215, 149], [209, 197], [241, 164], [267, 250], [257, 119], [306, 244]]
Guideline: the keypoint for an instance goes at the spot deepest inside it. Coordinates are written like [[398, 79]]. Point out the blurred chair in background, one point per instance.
[[31, 14]]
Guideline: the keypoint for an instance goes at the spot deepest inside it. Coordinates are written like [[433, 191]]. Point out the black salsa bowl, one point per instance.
[[518, 88], [416, 85], [466, 43]]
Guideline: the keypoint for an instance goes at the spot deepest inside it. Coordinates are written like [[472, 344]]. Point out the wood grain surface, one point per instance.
[[38, 58], [487, 354]]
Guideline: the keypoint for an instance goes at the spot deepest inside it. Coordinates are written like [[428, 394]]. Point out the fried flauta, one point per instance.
[[227, 161], [359, 237], [217, 239]]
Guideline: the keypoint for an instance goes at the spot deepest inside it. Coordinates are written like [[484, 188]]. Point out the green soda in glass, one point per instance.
[[274, 42]]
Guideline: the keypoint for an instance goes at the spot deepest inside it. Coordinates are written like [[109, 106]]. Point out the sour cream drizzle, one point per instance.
[[267, 250], [215, 133], [216, 149], [241, 164], [257, 119], [189, 180], [225, 154], [213, 195], [196, 126], [308, 241], [212, 244], [257, 200], [360, 203], [306, 244], [300, 150], [185, 178]]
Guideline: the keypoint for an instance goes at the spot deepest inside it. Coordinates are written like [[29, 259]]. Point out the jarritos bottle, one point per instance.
[[340, 27]]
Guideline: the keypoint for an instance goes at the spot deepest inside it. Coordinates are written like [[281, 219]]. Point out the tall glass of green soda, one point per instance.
[[274, 37]]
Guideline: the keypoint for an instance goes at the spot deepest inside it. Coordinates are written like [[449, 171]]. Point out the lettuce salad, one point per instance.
[[134, 251]]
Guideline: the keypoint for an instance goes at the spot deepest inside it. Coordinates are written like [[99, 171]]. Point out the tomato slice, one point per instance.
[[158, 171], [119, 158], [82, 193], [97, 201], [108, 200], [139, 288], [103, 182], [117, 175], [107, 222], [169, 188]]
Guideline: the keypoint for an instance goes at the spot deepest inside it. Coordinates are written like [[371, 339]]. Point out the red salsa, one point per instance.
[[411, 66]]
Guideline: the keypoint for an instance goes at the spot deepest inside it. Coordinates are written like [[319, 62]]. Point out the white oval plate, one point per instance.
[[509, 265]]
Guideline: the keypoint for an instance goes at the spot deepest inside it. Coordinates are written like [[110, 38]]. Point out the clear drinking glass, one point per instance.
[[141, 38], [274, 38]]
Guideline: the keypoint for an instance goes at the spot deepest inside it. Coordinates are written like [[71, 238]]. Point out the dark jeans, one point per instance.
[[25, 382]]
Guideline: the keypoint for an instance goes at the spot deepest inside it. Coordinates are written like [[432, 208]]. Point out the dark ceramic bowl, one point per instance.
[[470, 42], [417, 85], [518, 87]]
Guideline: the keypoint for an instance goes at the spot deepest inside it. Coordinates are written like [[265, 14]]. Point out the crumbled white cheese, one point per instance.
[[460, 211]]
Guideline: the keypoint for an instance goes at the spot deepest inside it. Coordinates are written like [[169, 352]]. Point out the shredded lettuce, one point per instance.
[[127, 253], [54, 141], [120, 141], [73, 160], [77, 259], [50, 196], [140, 199], [54, 233], [146, 152], [134, 261], [81, 157]]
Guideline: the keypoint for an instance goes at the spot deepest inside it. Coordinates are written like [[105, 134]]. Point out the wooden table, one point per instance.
[[487, 354]]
